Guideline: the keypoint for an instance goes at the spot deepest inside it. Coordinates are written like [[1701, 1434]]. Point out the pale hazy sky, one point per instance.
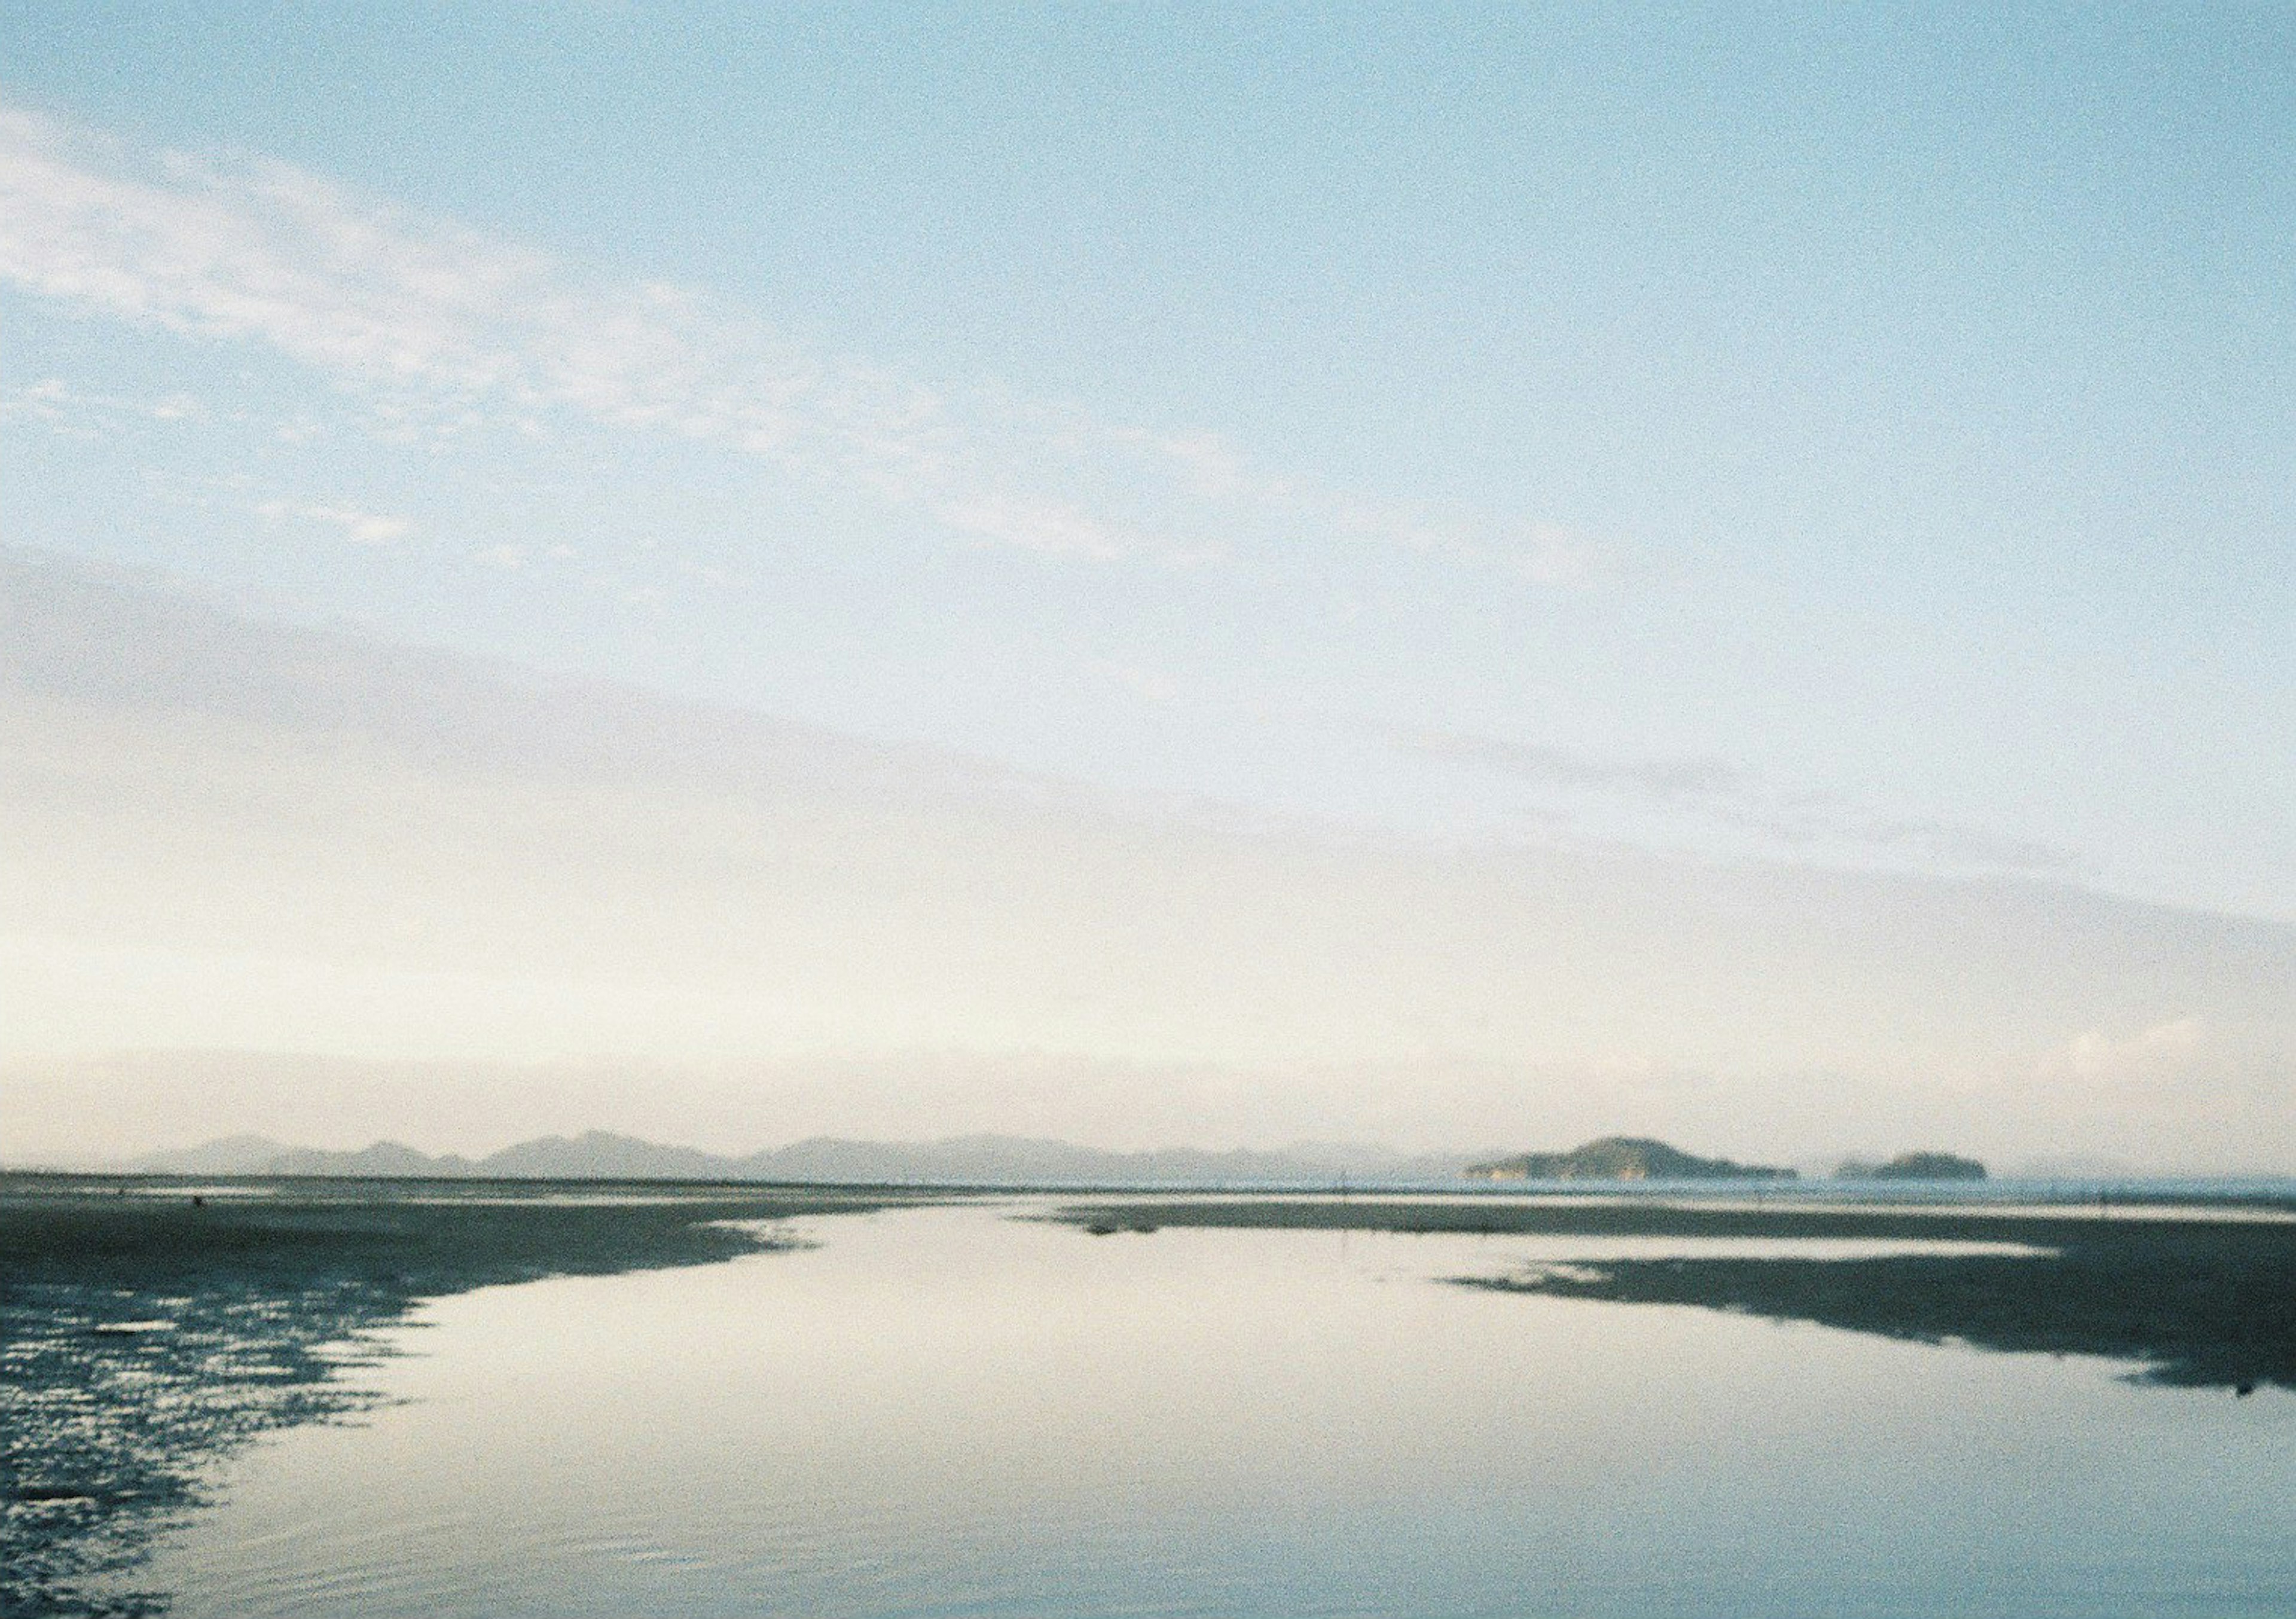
[[1464, 576]]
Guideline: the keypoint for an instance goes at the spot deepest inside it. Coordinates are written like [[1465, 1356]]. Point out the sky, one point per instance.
[[1460, 575]]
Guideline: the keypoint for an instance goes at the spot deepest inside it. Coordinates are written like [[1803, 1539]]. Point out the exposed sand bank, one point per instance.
[[2198, 1296]]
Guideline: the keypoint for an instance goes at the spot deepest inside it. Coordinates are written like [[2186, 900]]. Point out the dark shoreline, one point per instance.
[[150, 1326], [2198, 1297]]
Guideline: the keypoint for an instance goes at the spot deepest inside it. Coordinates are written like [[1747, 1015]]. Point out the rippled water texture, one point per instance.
[[952, 1412]]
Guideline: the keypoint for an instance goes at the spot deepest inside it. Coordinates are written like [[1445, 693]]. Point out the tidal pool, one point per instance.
[[949, 1410]]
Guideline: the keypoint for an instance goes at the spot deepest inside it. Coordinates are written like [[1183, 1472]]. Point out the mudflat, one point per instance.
[[2197, 1296]]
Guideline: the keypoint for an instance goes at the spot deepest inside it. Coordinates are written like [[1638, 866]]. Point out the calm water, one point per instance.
[[949, 1411]]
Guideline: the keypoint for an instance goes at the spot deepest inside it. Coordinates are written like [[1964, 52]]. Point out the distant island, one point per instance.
[[1621, 1158], [1913, 1166]]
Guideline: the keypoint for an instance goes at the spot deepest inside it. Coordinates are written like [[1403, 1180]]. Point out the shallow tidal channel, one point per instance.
[[151, 1330], [979, 1409]]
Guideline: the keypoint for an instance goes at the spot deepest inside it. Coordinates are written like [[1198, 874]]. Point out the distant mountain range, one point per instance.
[[972, 1160]]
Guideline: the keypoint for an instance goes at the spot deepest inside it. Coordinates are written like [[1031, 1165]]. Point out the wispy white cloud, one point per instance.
[[1049, 530], [73, 411], [1215, 470], [1673, 779], [2163, 1048], [278, 505], [367, 528], [470, 328], [2208, 1092], [1711, 790]]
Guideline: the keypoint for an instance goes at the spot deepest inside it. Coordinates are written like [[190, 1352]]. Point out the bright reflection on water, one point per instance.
[[946, 1411]]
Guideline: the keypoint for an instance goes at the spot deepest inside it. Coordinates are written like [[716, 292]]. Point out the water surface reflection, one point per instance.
[[946, 1410]]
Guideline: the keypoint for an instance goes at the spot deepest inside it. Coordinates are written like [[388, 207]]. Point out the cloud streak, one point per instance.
[[1674, 781], [257, 252], [1714, 791], [366, 527]]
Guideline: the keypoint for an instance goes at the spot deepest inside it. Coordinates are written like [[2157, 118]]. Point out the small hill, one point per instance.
[[1913, 1166], [1621, 1158]]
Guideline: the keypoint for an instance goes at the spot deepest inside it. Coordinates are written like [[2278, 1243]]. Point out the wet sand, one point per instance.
[[2197, 1296], [148, 1329]]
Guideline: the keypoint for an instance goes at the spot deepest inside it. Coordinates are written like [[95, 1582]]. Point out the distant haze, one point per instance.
[[486, 904], [962, 1160]]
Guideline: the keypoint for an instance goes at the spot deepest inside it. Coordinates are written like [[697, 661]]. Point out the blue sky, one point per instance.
[[1849, 443]]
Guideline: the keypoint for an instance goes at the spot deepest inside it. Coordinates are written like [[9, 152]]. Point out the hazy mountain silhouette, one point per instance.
[[960, 1160], [382, 1158]]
